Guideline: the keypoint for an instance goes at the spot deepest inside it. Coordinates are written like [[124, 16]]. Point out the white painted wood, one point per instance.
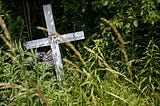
[[45, 41], [53, 41], [49, 18]]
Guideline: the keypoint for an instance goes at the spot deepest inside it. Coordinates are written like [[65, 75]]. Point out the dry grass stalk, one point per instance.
[[76, 68], [11, 56], [4, 28], [118, 97], [94, 103], [108, 68], [38, 92], [8, 85], [7, 40], [8, 44], [83, 71], [122, 42], [66, 42]]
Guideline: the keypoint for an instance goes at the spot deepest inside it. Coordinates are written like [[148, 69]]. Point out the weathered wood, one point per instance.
[[45, 41], [53, 41], [49, 18]]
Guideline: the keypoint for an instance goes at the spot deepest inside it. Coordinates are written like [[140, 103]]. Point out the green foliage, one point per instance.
[[91, 88], [4, 13], [92, 83]]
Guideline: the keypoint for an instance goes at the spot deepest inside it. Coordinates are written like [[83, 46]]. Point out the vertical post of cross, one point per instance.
[[53, 41]]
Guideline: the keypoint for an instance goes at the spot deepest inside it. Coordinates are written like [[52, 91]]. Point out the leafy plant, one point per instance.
[[117, 63]]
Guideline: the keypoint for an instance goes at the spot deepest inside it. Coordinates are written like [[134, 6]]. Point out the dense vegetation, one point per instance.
[[119, 63]]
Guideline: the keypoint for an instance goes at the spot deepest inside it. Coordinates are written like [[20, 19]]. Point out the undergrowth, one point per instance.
[[90, 78]]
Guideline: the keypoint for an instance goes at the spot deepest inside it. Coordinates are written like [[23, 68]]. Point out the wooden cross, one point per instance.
[[53, 41]]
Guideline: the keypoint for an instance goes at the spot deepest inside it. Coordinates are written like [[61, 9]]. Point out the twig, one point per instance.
[[26, 13]]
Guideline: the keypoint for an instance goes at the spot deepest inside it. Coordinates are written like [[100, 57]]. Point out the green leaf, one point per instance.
[[135, 23], [105, 3]]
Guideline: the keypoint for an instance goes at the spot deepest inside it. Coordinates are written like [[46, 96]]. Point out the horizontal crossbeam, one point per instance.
[[46, 41]]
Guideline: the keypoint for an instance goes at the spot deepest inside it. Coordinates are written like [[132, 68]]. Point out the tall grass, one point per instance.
[[89, 80]]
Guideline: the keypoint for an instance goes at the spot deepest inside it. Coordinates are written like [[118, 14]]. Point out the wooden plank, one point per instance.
[[49, 18], [54, 44], [45, 41], [72, 37], [53, 41], [37, 43]]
